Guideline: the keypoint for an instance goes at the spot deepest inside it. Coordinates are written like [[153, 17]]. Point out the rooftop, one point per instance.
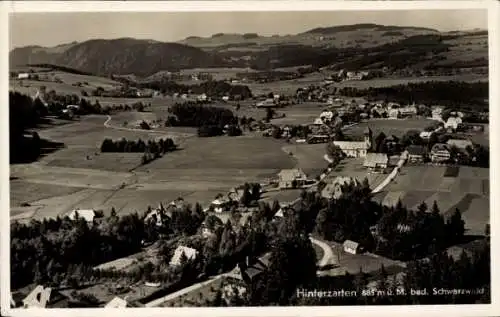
[[372, 159]]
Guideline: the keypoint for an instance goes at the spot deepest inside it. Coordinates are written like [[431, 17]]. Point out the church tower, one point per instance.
[[368, 136]]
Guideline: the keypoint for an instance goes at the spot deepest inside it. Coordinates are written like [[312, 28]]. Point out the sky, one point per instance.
[[51, 29]]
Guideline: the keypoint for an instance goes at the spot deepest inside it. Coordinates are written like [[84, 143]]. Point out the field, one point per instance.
[[369, 263], [289, 87], [389, 126], [79, 176], [353, 167], [468, 191]]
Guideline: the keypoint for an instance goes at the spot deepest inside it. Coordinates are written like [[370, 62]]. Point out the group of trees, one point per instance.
[[212, 88], [191, 114], [459, 95], [152, 149], [160, 146], [406, 234], [48, 251]]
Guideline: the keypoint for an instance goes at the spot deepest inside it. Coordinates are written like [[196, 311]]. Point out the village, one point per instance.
[[238, 169]]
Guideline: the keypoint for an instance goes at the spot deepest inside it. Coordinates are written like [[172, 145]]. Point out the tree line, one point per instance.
[[459, 95]]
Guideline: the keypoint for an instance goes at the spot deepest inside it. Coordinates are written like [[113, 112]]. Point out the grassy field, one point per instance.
[[389, 127], [353, 167], [468, 191], [368, 263], [78, 176]]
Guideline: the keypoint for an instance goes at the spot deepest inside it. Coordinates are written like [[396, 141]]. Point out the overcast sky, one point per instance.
[[50, 29]]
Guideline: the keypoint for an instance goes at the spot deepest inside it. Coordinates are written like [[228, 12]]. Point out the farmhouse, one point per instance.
[[44, 297], [88, 214], [453, 123], [190, 254], [23, 76], [440, 153], [416, 153], [352, 149], [268, 103], [292, 178], [376, 161], [351, 247], [394, 113], [219, 204], [460, 144], [334, 189], [426, 135], [250, 271], [321, 138], [408, 111], [116, 302]]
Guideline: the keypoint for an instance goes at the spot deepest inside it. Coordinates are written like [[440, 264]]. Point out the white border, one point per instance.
[[184, 6]]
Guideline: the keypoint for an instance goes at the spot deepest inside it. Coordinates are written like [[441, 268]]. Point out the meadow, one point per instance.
[[469, 191]]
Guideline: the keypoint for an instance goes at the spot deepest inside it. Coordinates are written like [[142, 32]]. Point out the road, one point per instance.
[[327, 252], [107, 125], [393, 174]]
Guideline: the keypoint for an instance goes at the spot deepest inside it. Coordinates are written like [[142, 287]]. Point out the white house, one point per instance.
[[351, 247], [38, 298], [116, 302], [425, 135], [225, 98], [394, 113], [453, 123], [23, 76], [88, 214], [190, 254]]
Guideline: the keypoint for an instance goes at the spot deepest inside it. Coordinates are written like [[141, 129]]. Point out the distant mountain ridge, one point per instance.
[[366, 44], [118, 56]]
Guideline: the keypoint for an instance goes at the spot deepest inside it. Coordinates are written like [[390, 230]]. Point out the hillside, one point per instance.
[[367, 46], [120, 56]]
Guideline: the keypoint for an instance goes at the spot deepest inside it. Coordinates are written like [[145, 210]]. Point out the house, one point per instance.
[[376, 161], [220, 204], [116, 302], [326, 116], [88, 214], [291, 178], [351, 247], [23, 76], [440, 153], [460, 144], [251, 269], [408, 111], [352, 149], [313, 139], [394, 113], [44, 297], [426, 135], [416, 153], [268, 103], [190, 254], [453, 123], [225, 98], [334, 189]]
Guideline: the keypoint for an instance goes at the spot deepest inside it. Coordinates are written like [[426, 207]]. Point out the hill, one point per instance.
[[360, 46], [119, 56]]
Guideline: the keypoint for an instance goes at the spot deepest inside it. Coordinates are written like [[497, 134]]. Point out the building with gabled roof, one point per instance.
[[416, 153], [460, 144], [376, 161], [334, 189], [88, 214], [116, 302], [190, 254], [351, 247], [440, 152], [290, 177]]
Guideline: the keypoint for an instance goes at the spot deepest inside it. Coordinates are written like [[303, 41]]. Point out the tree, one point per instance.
[[455, 227], [379, 145]]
